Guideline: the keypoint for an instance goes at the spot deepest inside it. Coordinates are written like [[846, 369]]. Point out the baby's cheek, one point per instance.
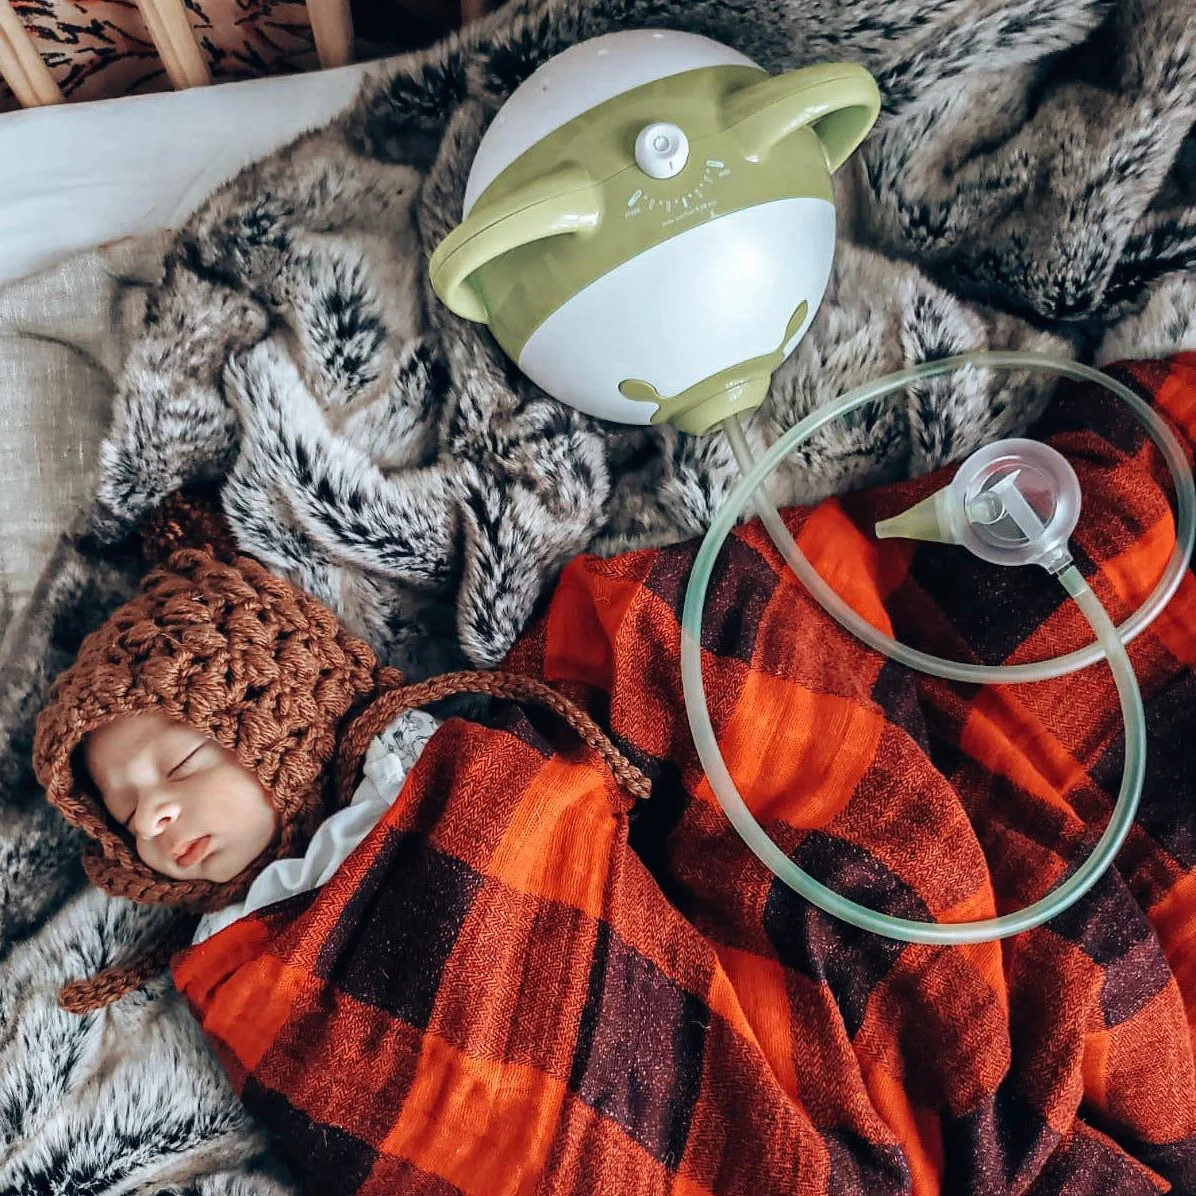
[[268, 825], [262, 806], [147, 855], [252, 814]]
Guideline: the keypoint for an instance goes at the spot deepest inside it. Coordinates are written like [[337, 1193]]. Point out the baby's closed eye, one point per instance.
[[188, 763]]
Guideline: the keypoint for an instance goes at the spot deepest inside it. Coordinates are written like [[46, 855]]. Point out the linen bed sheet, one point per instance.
[[64, 332]]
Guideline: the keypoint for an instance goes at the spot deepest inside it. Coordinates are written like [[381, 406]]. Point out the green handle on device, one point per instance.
[[838, 99], [838, 102], [565, 200]]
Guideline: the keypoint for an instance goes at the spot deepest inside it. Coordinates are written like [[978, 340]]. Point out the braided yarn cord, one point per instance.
[[512, 686]]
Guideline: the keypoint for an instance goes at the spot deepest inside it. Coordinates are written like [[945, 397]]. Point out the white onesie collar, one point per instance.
[[389, 758]]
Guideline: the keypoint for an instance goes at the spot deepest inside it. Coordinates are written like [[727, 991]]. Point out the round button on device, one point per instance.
[[661, 150]]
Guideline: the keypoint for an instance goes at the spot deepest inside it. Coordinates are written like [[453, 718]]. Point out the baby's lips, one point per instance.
[[191, 851]]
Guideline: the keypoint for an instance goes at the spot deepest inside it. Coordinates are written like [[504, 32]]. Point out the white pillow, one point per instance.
[[73, 176]]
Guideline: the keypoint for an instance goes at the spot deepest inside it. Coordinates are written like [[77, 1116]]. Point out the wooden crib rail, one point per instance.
[[22, 68], [332, 27], [174, 39], [21, 65]]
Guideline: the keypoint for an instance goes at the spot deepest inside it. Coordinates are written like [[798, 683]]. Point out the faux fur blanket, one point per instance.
[[1031, 183]]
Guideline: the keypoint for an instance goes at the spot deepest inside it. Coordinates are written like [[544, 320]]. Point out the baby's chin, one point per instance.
[[222, 868]]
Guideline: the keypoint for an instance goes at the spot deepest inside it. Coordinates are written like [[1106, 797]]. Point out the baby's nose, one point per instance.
[[154, 817]]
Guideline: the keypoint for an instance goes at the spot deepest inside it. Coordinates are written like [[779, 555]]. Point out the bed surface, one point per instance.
[[81, 175], [86, 192]]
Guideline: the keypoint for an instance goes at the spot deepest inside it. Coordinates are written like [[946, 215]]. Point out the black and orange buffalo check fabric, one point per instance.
[[513, 987]]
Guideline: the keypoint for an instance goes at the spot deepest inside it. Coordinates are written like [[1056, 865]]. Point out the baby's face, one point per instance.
[[194, 812]]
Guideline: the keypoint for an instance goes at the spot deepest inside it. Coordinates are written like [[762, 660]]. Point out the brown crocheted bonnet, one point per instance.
[[235, 652]]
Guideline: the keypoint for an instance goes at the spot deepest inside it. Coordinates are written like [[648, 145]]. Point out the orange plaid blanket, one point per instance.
[[513, 986]]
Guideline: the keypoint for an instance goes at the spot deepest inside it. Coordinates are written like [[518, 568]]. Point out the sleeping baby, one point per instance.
[[224, 743]]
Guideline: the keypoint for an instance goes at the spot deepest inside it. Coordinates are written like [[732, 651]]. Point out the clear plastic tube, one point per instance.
[[1109, 644], [756, 472]]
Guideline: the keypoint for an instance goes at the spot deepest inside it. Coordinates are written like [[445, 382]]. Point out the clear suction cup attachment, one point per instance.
[[1014, 502]]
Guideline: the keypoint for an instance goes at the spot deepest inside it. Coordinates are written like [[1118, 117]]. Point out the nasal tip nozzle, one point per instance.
[[927, 520]]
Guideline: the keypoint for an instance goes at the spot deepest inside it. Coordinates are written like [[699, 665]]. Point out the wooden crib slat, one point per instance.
[[332, 27], [22, 65], [175, 42]]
